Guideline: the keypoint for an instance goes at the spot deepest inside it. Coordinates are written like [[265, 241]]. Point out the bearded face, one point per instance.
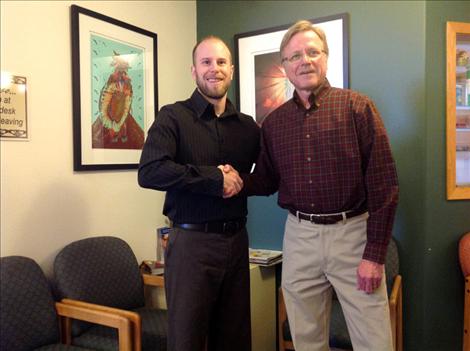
[[213, 69]]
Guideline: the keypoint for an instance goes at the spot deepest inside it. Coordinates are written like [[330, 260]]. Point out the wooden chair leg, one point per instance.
[[399, 335], [466, 318], [65, 329], [281, 319]]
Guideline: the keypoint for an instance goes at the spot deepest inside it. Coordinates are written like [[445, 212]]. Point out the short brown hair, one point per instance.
[[304, 26], [209, 37]]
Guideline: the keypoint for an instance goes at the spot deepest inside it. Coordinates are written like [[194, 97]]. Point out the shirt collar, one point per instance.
[[201, 106], [314, 97]]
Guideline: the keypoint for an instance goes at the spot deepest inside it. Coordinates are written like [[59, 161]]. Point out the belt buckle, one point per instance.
[[319, 219], [225, 227], [312, 215]]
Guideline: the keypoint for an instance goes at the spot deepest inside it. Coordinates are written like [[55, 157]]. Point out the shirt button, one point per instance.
[[312, 205], [307, 136], [308, 159], [310, 181], [307, 114]]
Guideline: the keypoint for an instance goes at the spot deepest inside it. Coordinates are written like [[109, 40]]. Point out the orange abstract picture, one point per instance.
[[272, 88]]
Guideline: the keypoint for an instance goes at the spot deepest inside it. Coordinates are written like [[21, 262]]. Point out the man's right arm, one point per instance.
[[159, 169], [265, 178]]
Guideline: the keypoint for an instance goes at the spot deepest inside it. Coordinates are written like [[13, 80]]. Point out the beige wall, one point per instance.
[[44, 204]]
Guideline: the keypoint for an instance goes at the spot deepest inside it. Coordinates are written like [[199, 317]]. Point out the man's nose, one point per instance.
[[214, 66], [305, 58]]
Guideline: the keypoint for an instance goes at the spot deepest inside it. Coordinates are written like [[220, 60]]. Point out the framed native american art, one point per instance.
[[114, 73], [262, 82]]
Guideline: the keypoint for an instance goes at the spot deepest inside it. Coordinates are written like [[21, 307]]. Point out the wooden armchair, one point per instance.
[[102, 273], [339, 337], [29, 316]]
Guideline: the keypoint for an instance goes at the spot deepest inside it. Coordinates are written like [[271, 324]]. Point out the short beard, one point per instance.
[[215, 97], [211, 95]]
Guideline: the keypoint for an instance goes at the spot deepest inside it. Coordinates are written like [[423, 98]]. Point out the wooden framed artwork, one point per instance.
[[262, 82], [458, 111], [114, 75]]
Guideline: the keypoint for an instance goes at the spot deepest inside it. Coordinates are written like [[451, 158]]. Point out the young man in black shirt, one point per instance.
[[207, 270]]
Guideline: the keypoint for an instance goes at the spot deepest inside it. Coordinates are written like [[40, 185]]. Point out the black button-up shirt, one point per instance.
[[184, 146]]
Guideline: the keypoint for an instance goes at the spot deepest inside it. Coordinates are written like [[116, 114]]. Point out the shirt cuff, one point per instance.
[[375, 252], [214, 184]]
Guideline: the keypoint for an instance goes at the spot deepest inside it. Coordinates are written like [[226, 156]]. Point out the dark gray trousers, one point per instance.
[[207, 285]]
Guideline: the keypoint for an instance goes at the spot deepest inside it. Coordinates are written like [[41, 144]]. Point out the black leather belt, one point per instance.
[[227, 227], [327, 218]]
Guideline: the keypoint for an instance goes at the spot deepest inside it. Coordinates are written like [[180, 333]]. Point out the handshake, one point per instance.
[[232, 181]]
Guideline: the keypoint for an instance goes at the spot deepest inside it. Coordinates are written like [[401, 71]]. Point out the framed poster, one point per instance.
[[262, 82], [114, 75]]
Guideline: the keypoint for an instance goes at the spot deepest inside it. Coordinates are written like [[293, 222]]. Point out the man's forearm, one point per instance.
[[167, 175], [256, 184]]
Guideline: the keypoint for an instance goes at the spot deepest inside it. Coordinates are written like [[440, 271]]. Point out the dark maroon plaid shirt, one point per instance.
[[330, 158]]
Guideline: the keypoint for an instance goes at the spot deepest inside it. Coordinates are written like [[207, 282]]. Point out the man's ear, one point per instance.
[[193, 72], [233, 70]]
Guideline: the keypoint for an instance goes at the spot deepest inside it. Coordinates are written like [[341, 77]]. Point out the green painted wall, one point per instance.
[[397, 57], [445, 221]]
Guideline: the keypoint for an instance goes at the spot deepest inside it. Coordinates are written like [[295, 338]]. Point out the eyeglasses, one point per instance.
[[312, 54]]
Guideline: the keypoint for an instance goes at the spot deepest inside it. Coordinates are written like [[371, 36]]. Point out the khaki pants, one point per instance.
[[317, 258]]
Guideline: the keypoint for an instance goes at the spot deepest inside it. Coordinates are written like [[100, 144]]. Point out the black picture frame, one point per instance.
[[115, 90], [260, 48]]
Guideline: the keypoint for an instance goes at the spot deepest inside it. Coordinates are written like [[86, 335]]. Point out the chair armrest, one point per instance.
[[121, 323], [395, 302], [396, 291], [153, 280], [133, 317]]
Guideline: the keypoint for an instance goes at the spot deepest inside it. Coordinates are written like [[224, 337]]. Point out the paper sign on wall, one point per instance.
[[13, 107]]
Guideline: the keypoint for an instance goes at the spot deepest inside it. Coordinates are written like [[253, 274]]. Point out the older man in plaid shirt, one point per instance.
[[327, 153]]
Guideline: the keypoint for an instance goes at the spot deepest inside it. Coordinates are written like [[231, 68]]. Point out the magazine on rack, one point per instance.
[[264, 257]]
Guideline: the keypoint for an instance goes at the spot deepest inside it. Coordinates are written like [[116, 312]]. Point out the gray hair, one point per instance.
[[304, 26]]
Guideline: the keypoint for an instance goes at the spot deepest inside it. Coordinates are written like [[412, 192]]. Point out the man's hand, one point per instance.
[[164, 239], [232, 181], [227, 168], [369, 276]]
